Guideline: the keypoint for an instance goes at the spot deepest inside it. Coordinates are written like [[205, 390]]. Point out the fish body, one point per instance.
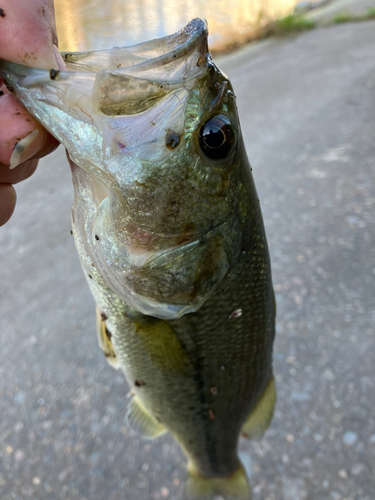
[[169, 231]]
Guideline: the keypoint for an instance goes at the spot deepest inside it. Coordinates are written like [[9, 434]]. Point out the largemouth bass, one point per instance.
[[169, 231]]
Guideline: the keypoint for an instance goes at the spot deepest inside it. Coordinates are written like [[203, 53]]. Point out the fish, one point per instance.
[[169, 231]]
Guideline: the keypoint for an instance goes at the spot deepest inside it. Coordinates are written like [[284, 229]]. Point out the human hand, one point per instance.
[[27, 36]]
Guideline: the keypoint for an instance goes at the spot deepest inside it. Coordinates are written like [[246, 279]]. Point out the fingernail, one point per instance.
[[60, 62], [22, 150]]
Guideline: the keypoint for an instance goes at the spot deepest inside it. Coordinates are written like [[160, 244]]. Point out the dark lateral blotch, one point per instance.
[[2, 13]]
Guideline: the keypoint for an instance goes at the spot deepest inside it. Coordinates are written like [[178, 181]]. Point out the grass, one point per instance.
[[295, 23], [347, 17], [343, 17], [289, 25], [284, 26]]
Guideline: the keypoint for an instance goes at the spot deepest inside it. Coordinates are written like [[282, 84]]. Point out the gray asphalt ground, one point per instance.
[[307, 107]]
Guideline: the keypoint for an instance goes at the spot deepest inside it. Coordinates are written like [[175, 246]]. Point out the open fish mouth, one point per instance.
[[148, 71], [152, 55]]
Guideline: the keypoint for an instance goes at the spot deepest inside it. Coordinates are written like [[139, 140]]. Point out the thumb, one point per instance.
[[28, 33], [27, 36]]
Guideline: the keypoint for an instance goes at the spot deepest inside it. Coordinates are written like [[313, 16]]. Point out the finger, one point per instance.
[[21, 173], [7, 202], [16, 125], [28, 32], [27, 36], [21, 137]]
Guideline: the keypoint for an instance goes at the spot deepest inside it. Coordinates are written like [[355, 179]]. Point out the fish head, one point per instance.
[[159, 167]]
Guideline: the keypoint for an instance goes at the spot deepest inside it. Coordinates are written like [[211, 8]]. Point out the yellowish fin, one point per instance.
[[260, 418], [104, 337], [163, 347], [233, 487], [140, 421]]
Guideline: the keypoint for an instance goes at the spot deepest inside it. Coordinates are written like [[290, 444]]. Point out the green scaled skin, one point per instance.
[[170, 235]]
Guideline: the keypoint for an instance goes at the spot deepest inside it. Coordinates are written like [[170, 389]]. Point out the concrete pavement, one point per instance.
[[307, 108], [327, 12]]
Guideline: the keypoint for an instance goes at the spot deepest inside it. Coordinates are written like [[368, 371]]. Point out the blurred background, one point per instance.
[[306, 99], [87, 24]]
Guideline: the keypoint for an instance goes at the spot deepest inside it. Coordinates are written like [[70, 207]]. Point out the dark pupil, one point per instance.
[[213, 137], [216, 138]]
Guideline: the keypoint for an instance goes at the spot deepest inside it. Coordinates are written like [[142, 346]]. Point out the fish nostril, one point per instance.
[[172, 140]]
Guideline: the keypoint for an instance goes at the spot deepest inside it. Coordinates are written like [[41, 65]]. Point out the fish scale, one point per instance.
[[233, 355]]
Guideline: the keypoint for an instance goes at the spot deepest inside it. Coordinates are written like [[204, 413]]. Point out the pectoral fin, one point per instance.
[[104, 337], [260, 418], [140, 421], [163, 347]]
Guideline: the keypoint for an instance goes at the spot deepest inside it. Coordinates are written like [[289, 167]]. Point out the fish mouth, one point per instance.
[[148, 71], [148, 59], [145, 56]]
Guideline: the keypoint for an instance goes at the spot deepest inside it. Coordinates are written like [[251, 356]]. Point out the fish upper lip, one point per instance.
[[196, 31]]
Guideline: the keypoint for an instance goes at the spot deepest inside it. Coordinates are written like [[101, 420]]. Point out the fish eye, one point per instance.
[[216, 138]]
